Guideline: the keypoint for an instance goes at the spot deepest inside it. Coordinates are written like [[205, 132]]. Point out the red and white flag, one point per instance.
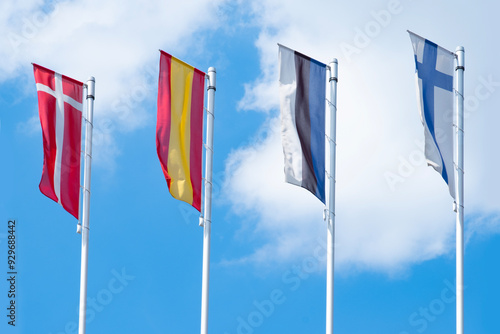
[[60, 105]]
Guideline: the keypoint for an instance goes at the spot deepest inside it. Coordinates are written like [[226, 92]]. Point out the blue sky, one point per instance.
[[395, 254]]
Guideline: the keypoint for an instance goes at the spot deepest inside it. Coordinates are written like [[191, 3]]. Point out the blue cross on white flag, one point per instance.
[[434, 74]]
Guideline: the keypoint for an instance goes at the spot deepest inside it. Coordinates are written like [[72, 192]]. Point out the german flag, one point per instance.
[[179, 128]]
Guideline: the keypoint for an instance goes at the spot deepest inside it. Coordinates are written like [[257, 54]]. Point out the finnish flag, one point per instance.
[[434, 75]]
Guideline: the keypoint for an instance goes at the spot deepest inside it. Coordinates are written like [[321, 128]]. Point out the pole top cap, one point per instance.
[[91, 88], [460, 48], [211, 69]]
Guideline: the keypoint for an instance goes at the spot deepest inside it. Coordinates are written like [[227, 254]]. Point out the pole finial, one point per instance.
[[334, 72], [460, 53], [91, 88], [211, 78]]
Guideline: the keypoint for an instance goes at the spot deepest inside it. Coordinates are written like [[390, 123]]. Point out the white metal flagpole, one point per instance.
[[331, 136], [460, 68], [206, 219], [86, 204]]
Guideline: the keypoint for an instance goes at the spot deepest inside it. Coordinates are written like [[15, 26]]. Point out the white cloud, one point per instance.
[[375, 226], [117, 42], [256, 183], [30, 127], [380, 225]]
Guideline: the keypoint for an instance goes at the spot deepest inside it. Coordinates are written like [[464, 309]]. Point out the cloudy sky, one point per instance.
[[395, 228]]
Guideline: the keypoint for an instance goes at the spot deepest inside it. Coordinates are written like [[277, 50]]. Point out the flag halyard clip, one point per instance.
[[458, 128], [208, 148], [209, 112], [331, 104], [79, 228], [330, 177], [330, 140], [458, 168], [456, 206], [88, 122], [327, 215], [458, 93], [203, 221]]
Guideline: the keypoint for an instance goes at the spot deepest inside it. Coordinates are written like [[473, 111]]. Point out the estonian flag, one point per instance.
[[302, 83]]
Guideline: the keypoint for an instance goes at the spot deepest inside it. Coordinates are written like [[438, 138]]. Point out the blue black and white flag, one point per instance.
[[302, 83], [434, 75]]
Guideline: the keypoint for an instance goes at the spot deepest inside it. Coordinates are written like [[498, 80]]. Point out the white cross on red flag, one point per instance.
[[60, 105]]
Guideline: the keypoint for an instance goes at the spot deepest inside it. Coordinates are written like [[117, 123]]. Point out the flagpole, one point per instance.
[[460, 68], [86, 204], [331, 136], [206, 219]]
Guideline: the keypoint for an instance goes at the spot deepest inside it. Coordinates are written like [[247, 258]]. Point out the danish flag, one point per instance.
[[60, 105]]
